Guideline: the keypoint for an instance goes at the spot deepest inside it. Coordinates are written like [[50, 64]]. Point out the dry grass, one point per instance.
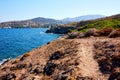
[[108, 57]]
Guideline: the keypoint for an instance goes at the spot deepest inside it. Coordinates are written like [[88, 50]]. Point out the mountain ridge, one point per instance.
[[40, 22]]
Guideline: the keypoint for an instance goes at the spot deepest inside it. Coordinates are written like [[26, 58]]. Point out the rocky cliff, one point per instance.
[[60, 29]]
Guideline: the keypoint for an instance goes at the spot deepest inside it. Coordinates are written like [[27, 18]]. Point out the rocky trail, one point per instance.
[[89, 67]]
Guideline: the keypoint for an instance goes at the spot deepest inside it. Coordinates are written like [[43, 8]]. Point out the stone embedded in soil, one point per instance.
[[56, 55], [49, 68], [37, 71]]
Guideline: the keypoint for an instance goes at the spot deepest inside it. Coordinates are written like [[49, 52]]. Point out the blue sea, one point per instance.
[[15, 42]]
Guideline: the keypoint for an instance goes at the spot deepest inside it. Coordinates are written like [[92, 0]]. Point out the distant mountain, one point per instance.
[[42, 21], [45, 22], [82, 18]]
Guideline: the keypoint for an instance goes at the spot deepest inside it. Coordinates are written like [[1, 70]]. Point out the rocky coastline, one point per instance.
[[60, 29], [67, 59]]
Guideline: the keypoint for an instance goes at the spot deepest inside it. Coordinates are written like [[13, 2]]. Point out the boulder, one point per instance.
[[114, 33], [56, 55], [105, 31], [91, 32], [73, 35]]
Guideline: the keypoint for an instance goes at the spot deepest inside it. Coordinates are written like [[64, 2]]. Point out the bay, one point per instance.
[[15, 42]]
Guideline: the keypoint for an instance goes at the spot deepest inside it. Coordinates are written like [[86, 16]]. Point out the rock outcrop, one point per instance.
[[61, 29]]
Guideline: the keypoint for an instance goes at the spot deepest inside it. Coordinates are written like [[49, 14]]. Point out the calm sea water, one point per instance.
[[15, 42]]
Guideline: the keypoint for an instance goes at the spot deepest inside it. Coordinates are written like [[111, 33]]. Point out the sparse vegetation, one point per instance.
[[73, 24], [108, 22], [108, 58]]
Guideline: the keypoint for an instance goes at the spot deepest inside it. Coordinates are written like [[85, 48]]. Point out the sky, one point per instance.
[[11, 10]]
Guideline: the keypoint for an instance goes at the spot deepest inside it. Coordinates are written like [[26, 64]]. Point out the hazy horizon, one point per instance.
[[13, 10]]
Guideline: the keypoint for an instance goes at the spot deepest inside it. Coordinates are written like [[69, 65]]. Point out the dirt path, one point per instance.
[[89, 67]]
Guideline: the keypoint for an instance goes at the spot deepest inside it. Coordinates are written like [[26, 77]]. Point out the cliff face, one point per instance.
[[67, 59], [60, 29]]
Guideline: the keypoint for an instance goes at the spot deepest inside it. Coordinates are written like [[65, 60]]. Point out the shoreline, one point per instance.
[[15, 49], [4, 60]]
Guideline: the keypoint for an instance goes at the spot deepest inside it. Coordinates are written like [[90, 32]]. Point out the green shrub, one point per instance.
[[100, 24]]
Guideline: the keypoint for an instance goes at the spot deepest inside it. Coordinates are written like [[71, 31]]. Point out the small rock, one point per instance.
[[56, 55], [37, 70]]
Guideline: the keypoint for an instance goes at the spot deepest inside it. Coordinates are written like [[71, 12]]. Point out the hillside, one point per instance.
[[42, 21], [111, 22], [19, 24], [107, 22], [67, 59], [35, 23]]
